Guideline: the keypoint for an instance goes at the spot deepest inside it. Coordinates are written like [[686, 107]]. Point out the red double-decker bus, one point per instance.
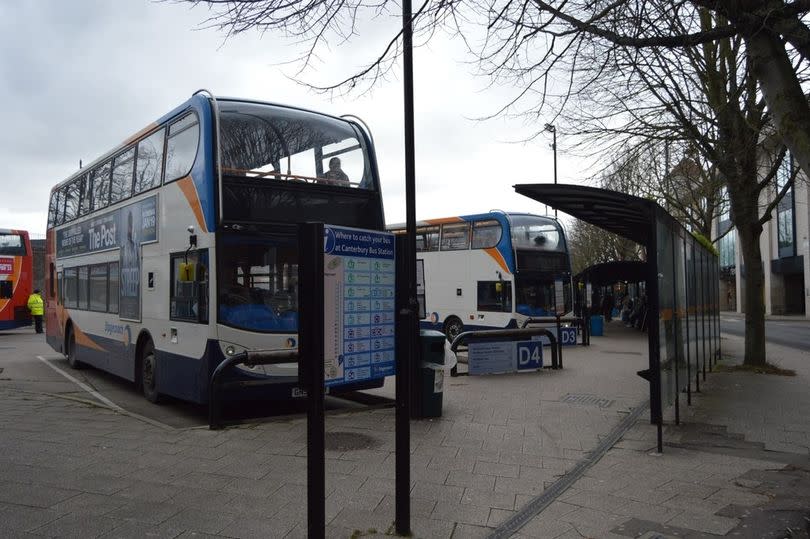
[[16, 278]]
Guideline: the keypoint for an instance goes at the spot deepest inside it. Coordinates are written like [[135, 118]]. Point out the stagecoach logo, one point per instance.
[[124, 332]]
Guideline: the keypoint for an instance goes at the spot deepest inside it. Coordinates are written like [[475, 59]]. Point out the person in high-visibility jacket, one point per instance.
[[37, 308]]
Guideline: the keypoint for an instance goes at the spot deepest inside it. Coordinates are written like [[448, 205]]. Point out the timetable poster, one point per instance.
[[359, 283]]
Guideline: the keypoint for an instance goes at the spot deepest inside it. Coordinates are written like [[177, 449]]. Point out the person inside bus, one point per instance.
[[335, 174]]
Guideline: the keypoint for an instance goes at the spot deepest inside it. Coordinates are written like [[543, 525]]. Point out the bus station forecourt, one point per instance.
[[176, 252], [74, 464]]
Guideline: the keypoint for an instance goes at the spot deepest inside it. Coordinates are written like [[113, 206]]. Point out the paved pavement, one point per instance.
[[70, 467]]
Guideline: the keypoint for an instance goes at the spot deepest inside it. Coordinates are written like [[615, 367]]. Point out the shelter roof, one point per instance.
[[628, 216]]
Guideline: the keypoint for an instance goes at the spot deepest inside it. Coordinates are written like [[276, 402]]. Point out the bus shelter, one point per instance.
[[600, 278], [681, 279]]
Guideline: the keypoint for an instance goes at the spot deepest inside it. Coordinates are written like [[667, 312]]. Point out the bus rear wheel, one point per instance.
[[149, 372], [71, 350], [453, 328]]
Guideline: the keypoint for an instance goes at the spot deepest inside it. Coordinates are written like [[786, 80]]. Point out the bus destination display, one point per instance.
[[359, 275]]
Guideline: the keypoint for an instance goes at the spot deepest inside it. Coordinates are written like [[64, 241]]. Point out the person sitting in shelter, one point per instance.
[[335, 174], [607, 306], [626, 308], [638, 312]]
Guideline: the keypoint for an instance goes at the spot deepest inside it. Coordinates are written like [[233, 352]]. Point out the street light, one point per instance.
[[553, 130]]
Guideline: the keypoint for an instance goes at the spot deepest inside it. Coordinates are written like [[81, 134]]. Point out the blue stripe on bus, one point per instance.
[[439, 326], [11, 324], [505, 244], [187, 378], [203, 171]]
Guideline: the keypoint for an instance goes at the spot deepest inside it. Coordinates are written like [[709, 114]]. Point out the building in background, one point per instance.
[[38, 250], [785, 253]]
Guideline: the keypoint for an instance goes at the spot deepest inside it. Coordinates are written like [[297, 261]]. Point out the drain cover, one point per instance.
[[587, 400], [349, 441]]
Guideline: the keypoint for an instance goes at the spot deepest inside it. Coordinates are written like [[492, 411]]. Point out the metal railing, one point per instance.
[[250, 358], [501, 334]]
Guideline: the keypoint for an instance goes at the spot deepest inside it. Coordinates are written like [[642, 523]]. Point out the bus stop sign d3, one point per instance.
[[359, 313]]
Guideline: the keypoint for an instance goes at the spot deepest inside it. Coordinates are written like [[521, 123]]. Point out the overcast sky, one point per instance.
[[79, 77]]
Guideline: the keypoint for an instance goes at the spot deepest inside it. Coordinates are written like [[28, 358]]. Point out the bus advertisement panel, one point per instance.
[[16, 278]]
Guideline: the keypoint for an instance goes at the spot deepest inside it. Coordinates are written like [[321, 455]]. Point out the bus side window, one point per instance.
[[84, 206], [6, 289], [486, 234], [455, 236], [52, 209], [52, 282], [123, 169], [101, 186]]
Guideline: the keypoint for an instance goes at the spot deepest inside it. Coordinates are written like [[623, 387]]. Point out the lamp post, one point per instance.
[[553, 130]]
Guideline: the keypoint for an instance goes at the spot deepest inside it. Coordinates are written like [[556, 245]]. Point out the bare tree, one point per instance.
[[714, 74]]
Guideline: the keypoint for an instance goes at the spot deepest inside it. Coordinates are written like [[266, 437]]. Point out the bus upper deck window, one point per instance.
[[149, 167], [123, 168], [181, 150]]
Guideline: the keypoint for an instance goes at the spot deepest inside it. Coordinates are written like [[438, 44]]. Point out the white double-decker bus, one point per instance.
[[178, 248], [491, 270]]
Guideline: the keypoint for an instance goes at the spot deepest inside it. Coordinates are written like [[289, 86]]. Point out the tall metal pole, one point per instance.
[[402, 465], [553, 130], [310, 245]]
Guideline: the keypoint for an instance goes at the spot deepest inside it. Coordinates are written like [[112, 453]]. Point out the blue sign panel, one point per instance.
[[529, 355], [568, 336], [359, 280]]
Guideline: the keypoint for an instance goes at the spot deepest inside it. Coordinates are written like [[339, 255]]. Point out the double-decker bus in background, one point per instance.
[[491, 270], [16, 278], [179, 247]]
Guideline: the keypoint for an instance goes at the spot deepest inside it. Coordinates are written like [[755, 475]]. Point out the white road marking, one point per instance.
[[82, 385]]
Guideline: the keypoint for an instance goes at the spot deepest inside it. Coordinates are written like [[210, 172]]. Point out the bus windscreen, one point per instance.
[[268, 142]]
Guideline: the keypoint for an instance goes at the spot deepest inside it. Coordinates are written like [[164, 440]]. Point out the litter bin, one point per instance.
[[597, 325], [431, 373]]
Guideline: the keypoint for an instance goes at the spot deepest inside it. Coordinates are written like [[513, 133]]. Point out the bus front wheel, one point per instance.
[[453, 328], [149, 372], [71, 350]]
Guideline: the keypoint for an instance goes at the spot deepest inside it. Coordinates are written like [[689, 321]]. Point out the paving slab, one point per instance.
[[68, 468]]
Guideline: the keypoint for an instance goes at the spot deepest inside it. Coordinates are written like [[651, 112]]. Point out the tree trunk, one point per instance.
[[783, 93], [754, 306]]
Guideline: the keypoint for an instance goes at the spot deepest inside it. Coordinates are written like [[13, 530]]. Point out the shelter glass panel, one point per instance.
[[666, 306], [680, 317]]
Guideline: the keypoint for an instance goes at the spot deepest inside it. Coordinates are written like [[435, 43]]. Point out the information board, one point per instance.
[[359, 313], [504, 357]]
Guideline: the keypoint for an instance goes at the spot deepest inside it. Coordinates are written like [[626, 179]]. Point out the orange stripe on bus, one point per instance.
[[139, 134], [190, 191], [444, 220], [84, 340], [498, 257]]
